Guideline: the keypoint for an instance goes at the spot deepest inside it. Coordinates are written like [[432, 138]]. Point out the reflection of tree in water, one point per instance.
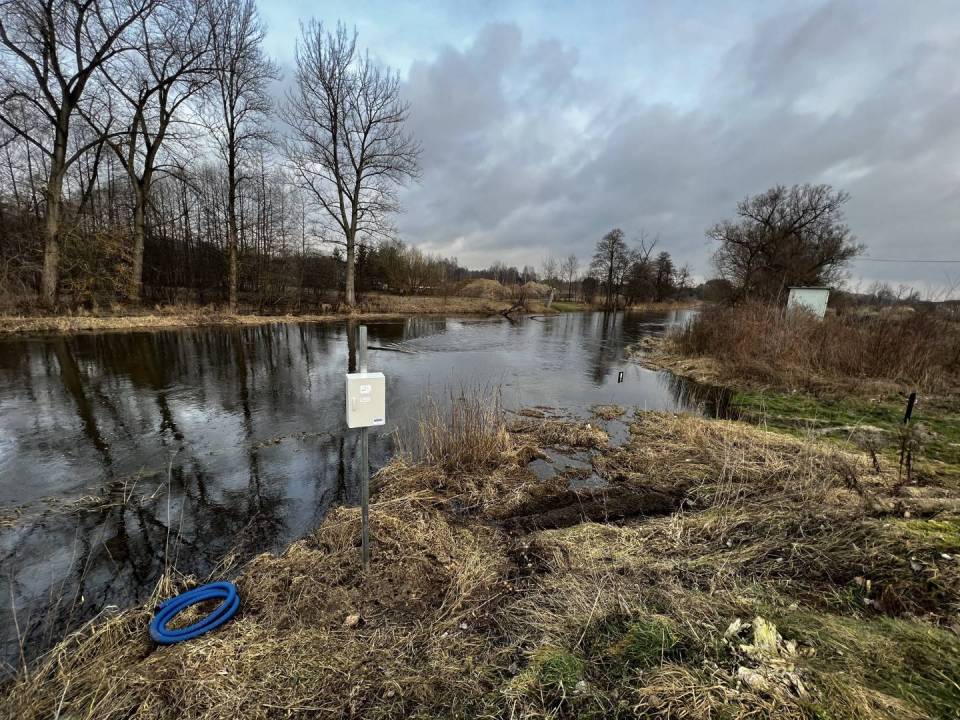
[[74, 385], [708, 400], [417, 327], [602, 332]]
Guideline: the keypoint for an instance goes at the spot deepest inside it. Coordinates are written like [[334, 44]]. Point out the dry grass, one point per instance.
[[291, 651], [484, 288], [631, 619], [464, 431], [665, 306], [755, 342], [561, 433], [536, 289], [494, 595], [431, 305], [372, 306], [608, 412]]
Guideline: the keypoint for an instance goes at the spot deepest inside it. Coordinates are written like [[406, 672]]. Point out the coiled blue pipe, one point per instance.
[[169, 609]]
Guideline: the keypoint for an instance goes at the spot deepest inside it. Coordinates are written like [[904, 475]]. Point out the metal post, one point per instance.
[[911, 401], [364, 458]]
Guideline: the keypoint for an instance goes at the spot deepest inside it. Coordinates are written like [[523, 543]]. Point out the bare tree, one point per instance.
[[172, 65], [665, 276], [54, 49], [549, 271], [347, 145], [611, 259], [568, 270], [785, 237], [241, 103]]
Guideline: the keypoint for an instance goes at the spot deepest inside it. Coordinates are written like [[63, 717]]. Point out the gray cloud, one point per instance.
[[528, 154]]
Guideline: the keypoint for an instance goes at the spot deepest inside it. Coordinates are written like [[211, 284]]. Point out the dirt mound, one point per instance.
[[483, 288], [536, 290]]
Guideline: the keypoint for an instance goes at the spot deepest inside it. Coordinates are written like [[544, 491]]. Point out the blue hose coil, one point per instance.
[[169, 609]]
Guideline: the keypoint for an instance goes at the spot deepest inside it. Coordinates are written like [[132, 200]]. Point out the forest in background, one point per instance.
[[145, 161]]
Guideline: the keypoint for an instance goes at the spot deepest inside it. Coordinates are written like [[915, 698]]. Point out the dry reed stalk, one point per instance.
[[763, 342]]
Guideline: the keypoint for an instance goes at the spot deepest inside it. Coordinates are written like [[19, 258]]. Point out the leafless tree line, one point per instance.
[[784, 237], [138, 149], [626, 276]]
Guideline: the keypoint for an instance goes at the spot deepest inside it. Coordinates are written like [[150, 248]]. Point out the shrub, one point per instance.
[[920, 349]]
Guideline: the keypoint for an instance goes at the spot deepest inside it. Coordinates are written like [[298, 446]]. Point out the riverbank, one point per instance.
[[709, 569], [373, 307], [860, 413], [381, 307]]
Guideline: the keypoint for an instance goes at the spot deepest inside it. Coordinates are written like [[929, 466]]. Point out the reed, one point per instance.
[[753, 341]]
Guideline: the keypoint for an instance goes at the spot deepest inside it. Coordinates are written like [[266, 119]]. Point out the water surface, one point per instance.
[[124, 453]]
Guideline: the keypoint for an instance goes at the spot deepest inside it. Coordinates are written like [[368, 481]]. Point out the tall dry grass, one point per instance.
[[462, 430], [916, 348]]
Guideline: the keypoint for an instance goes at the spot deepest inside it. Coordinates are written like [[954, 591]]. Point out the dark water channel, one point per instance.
[[123, 452]]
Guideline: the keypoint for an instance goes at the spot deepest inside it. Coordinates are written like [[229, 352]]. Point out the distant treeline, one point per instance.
[[284, 264], [144, 160]]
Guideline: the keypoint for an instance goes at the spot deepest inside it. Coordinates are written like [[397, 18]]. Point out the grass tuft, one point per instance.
[[464, 431]]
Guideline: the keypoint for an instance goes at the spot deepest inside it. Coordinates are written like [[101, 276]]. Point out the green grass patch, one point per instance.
[[564, 306], [844, 418], [650, 641], [940, 535], [859, 661], [552, 671]]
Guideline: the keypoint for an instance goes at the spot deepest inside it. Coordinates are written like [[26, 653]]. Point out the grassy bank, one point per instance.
[[372, 307], [859, 351], [845, 379], [666, 306], [720, 571]]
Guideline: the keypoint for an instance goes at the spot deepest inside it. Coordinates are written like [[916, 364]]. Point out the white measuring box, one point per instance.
[[366, 399]]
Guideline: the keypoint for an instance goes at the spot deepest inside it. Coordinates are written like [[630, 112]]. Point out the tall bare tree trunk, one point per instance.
[[50, 279], [350, 297], [610, 286], [232, 270], [139, 234]]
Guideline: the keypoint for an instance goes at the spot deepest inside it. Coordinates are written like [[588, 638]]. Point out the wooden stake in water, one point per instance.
[[364, 459]]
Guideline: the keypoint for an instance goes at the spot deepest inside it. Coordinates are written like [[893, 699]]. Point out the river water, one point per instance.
[[124, 453]]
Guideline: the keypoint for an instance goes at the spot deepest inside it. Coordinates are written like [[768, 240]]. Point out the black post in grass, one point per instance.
[[911, 401], [906, 445]]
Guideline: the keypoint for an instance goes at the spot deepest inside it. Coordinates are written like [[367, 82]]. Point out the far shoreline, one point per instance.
[[380, 308]]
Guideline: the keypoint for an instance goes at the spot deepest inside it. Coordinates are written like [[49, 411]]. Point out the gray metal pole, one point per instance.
[[364, 459]]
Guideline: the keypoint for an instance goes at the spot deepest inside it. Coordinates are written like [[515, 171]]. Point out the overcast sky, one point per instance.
[[546, 124]]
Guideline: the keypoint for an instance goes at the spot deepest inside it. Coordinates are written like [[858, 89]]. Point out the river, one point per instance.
[[124, 453]]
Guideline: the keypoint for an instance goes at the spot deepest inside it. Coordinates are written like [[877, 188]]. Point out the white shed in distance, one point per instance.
[[813, 299]]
